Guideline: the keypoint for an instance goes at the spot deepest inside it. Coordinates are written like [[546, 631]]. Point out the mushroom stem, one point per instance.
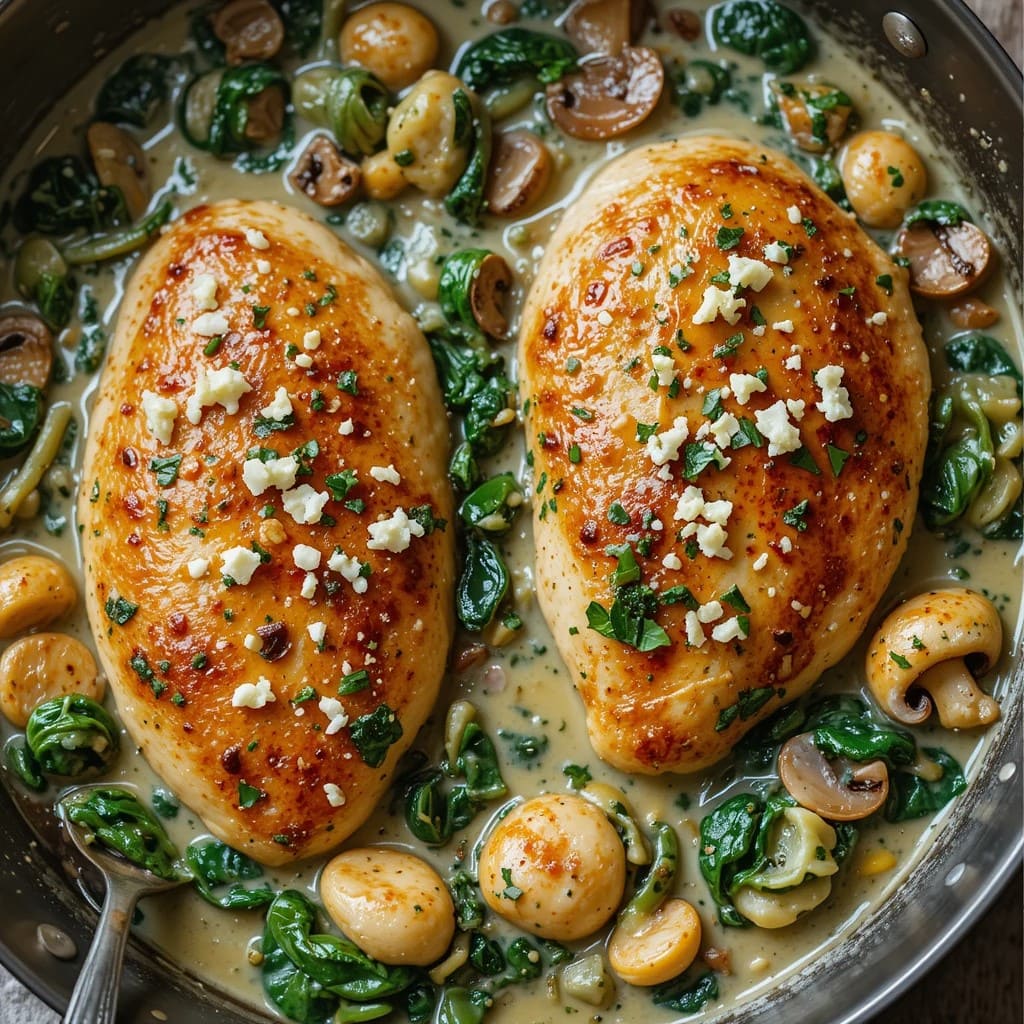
[[959, 700]]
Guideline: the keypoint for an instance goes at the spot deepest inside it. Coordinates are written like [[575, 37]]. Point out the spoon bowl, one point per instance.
[[94, 1000]]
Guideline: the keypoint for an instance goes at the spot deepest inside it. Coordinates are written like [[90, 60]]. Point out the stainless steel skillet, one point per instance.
[[946, 67]]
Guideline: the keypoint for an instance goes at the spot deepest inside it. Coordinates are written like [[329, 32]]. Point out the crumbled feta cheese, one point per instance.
[[253, 642], [761, 561], [690, 504], [672, 561], [793, 362], [204, 291], [747, 273], [317, 631], [785, 326], [710, 612], [711, 541], [335, 797], [333, 709], [304, 504], [785, 545], [240, 564], [160, 415], [393, 534], [796, 407], [880, 318], [280, 407], [604, 318], [256, 239], [303, 361], [346, 427], [835, 399], [311, 341], [253, 695], [664, 447], [664, 368], [259, 476], [198, 568], [308, 589], [717, 512], [719, 302], [794, 215], [744, 385], [306, 557], [727, 631], [350, 569], [694, 633], [224, 386], [774, 424], [386, 474], [777, 253], [210, 325], [724, 428], [263, 267]]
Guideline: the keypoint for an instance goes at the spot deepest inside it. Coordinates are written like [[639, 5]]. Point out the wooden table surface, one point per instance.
[[982, 980]]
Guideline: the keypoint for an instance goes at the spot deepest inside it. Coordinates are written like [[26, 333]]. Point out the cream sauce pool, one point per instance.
[[523, 687]]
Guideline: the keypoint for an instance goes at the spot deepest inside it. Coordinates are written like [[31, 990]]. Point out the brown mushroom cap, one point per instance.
[[954, 624], [608, 96], [249, 30], [325, 174], [120, 163], [684, 23], [487, 295], [973, 314], [518, 174], [945, 260], [26, 350], [605, 26], [839, 790]]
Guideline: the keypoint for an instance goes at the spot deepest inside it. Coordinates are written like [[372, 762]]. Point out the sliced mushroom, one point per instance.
[[840, 790], [945, 260], [487, 295], [957, 629], [501, 12], [265, 115], [325, 174], [973, 314], [249, 30], [608, 95], [812, 128], [519, 173], [120, 163], [684, 23], [605, 26], [26, 350]]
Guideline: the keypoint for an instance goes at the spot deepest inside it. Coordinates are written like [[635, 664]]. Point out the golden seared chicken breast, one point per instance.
[[268, 578], [727, 413]]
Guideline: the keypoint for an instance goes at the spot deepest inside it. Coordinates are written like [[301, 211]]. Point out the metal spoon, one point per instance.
[[94, 1000]]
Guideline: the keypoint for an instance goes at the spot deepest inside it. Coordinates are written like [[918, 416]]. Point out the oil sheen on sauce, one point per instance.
[[524, 687]]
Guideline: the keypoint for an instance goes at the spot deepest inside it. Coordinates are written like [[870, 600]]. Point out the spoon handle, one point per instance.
[[94, 1000]]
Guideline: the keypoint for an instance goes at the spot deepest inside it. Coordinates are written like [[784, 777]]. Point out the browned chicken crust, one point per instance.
[[176, 630], [627, 346]]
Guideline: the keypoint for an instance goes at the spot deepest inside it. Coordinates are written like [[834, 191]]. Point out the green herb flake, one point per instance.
[[119, 610], [797, 516], [884, 281], [899, 659], [166, 469], [510, 892], [837, 458], [728, 238]]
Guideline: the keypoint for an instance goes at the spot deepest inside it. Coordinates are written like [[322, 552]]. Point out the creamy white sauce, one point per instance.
[[524, 687]]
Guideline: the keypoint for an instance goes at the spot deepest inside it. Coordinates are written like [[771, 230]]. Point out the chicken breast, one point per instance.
[[267, 576], [726, 392]]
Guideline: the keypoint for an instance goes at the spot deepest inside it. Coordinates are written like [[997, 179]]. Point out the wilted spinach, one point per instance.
[[61, 195], [214, 864], [132, 94], [911, 796], [71, 735], [118, 819], [765, 29], [513, 53]]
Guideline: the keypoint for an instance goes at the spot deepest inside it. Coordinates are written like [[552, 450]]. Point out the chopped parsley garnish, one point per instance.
[[574, 454], [305, 694], [339, 484], [510, 892], [572, 365], [166, 469], [885, 281], [354, 682], [697, 457], [748, 703], [796, 516], [644, 431], [348, 381], [728, 347], [211, 347], [264, 426], [837, 458], [734, 597], [374, 733], [617, 514], [728, 238], [680, 595], [577, 774], [810, 227], [259, 316], [896, 175], [248, 795], [899, 659], [581, 413], [119, 610], [712, 407], [803, 459]]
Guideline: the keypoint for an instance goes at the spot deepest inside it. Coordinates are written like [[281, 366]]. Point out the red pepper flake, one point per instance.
[[620, 247]]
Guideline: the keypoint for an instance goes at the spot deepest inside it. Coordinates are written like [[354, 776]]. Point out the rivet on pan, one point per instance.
[[56, 942], [955, 874], [904, 35]]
